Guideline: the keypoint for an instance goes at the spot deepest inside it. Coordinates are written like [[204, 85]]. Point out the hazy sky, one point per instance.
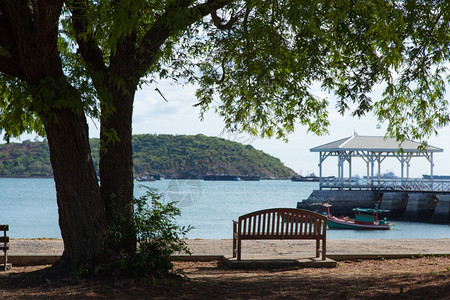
[[178, 116], [152, 114]]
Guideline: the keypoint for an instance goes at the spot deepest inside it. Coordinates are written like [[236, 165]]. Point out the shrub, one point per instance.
[[157, 235]]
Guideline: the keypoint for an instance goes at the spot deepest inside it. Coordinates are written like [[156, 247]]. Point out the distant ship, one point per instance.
[[311, 178], [388, 175], [437, 177], [222, 177], [152, 177], [250, 177]]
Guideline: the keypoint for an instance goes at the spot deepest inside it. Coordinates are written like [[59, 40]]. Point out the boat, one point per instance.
[[388, 175], [151, 177], [221, 177], [365, 218], [145, 178], [436, 177], [311, 178], [250, 177]]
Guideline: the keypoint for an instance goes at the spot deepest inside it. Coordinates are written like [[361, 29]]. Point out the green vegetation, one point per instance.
[[25, 159], [181, 156], [156, 233]]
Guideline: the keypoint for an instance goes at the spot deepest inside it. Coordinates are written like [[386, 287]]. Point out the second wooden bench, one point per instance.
[[4, 244], [281, 224]]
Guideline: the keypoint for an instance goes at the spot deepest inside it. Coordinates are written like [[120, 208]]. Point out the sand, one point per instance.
[[224, 247]]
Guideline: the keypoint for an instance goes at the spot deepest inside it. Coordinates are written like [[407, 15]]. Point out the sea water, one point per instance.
[[28, 205]]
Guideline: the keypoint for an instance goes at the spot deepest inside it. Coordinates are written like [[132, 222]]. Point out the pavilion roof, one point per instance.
[[374, 144]]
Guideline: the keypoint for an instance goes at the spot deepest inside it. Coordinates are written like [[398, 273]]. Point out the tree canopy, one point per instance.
[[255, 61]]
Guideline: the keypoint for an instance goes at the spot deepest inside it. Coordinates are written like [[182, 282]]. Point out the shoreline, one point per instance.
[[269, 247]]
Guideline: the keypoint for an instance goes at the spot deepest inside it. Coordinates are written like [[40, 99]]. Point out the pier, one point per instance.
[[391, 185], [412, 199]]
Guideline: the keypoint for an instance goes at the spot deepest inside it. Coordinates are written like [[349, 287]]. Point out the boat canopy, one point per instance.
[[370, 210]]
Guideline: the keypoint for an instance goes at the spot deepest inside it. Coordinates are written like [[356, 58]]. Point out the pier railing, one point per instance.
[[394, 184]]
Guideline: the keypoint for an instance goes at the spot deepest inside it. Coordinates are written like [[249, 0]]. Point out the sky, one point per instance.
[[154, 115]]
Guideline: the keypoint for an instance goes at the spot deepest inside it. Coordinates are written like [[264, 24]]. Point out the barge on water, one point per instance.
[[221, 177]]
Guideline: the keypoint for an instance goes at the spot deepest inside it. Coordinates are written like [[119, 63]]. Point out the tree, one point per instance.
[[260, 59], [34, 92], [254, 62]]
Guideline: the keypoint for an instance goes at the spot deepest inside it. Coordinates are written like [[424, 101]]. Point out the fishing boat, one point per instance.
[[365, 218]]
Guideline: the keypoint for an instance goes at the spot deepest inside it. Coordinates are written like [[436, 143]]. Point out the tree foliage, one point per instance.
[[158, 235], [256, 61]]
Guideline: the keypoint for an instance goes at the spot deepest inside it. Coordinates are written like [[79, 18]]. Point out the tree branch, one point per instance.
[[88, 47], [218, 21], [167, 24], [8, 64], [10, 67]]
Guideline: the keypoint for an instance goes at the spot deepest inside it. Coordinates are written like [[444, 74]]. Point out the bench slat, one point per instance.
[[291, 217], [4, 239]]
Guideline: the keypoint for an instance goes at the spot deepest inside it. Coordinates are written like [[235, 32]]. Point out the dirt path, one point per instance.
[[411, 278]]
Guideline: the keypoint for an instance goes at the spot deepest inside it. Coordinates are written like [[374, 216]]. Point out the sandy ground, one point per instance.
[[224, 247]]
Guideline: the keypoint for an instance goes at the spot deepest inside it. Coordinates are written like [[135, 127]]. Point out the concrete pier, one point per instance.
[[342, 202], [394, 202], [442, 211], [420, 207]]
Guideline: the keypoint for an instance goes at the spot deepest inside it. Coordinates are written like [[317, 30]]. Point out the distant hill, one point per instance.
[[25, 159], [174, 156]]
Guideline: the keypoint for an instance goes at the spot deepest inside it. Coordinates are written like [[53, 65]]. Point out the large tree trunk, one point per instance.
[[81, 211], [29, 35], [116, 170]]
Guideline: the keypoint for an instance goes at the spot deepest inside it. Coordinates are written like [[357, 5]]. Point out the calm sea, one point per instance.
[[28, 205]]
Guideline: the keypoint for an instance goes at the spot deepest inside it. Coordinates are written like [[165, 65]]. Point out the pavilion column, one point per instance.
[[402, 160], [372, 166], [320, 170], [431, 166], [350, 168]]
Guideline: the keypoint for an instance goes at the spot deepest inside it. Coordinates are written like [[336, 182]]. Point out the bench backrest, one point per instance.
[[4, 240], [282, 223]]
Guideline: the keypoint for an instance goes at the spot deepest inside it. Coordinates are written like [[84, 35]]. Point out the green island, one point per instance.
[[173, 156]]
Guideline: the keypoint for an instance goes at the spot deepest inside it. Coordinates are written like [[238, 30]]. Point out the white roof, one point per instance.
[[372, 143]]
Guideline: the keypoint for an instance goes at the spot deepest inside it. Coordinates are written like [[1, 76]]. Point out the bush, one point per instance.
[[157, 235]]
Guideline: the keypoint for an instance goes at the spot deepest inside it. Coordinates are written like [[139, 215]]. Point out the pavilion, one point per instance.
[[373, 150]]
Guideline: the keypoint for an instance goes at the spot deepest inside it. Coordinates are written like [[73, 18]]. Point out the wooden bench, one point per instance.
[[4, 244], [280, 224]]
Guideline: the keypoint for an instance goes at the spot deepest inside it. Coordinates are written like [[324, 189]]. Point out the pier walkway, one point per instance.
[[392, 185]]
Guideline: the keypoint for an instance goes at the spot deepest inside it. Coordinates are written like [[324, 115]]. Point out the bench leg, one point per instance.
[[5, 259], [324, 249], [317, 248], [239, 249], [234, 238]]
